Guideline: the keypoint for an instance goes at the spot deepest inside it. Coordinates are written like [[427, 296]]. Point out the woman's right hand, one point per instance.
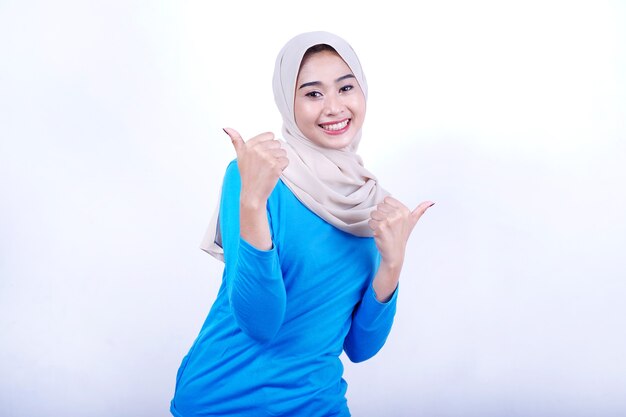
[[261, 160]]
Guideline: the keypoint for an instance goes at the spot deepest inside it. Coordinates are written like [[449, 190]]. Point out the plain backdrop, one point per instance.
[[510, 115]]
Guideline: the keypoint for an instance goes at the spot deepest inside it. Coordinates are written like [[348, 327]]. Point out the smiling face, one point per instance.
[[329, 105]]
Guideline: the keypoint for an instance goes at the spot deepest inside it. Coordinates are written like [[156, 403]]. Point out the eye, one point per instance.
[[314, 94], [346, 88]]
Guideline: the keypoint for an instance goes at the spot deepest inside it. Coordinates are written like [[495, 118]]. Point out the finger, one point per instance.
[[283, 162], [235, 138], [373, 224], [393, 202], [420, 210], [385, 208], [278, 153], [377, 215], [265, 144], [263, 137]]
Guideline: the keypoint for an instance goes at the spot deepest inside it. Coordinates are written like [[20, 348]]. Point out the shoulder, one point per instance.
[[231, 175], [232, 168]]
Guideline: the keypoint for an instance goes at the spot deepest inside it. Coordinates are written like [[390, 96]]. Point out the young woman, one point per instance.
[[312, 247]]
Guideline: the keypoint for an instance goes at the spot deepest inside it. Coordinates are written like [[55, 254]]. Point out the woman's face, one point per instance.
[[329, 104]]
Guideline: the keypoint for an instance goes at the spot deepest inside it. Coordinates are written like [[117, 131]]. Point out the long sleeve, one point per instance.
[[253, 277], [371, 324], [258, 354]]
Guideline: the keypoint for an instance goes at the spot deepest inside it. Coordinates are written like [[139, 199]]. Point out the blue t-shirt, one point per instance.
[[270, 345]]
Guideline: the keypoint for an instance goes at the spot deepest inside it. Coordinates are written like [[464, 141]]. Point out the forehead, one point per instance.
[[321, 65]]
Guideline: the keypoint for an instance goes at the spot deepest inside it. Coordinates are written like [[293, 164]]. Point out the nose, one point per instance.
[[333, 105]]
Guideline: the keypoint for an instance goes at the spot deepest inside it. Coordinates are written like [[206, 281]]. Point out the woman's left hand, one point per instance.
[[392, 223]]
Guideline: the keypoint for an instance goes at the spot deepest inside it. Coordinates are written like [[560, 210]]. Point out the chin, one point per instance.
[[336, 142]]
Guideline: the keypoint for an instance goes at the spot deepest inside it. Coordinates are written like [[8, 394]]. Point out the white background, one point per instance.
[[510, 115]]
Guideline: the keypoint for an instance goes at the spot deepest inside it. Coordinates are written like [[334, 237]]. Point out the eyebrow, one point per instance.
[[344, 77]]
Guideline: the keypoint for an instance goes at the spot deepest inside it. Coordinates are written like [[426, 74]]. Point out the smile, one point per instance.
[[335, 127]]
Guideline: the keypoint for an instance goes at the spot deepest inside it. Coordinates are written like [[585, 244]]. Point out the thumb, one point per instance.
[[420, 210], [235, 138]]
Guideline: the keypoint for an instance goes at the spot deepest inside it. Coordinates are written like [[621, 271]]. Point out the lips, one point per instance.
[[336, 128]]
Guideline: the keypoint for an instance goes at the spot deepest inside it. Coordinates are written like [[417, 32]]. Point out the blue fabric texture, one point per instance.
[[270, 345]]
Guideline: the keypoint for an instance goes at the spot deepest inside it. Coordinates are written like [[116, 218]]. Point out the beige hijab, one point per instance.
[[332, 183]]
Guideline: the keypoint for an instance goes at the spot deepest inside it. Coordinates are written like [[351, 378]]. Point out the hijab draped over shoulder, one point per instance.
[[333, 183]]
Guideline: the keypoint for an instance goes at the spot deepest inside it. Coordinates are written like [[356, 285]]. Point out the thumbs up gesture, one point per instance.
[[261, 160], [392, 223]]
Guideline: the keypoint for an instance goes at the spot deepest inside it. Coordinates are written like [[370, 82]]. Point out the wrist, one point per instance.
[[386, 280], [391, 268], [253, 224], [251, 203]]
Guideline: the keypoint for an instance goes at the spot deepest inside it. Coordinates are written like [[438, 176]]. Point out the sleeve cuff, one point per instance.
[[249, 249], [254, 262], [372, 310]]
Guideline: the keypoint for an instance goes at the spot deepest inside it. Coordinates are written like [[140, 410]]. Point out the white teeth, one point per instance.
[[336, 126]]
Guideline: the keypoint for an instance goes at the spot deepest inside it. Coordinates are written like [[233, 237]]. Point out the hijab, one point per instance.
[[333, 183]]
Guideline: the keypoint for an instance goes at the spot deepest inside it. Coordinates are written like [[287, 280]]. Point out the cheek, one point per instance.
[[305, 113], [357, 104], [298, 114], [301, 118]]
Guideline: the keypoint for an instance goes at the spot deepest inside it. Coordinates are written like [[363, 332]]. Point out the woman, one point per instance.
[[312, 246]]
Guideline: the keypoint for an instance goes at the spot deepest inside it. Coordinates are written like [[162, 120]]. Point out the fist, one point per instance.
[[261, 161], [392, 223]]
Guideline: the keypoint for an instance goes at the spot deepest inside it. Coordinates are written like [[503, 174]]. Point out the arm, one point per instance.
[[252, 270], [371, 324], [261, 161], [392, 224]]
